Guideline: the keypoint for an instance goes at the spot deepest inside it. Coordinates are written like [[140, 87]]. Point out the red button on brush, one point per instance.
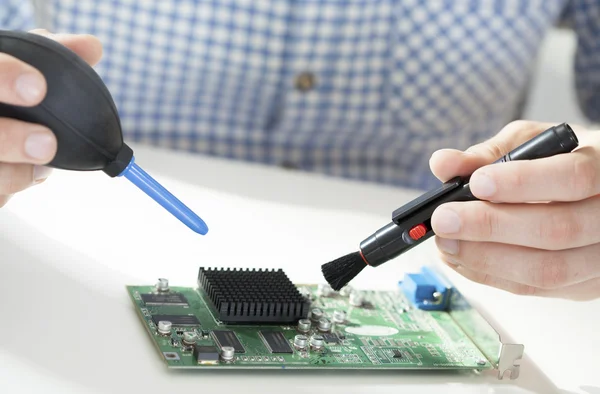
[[418, 231]]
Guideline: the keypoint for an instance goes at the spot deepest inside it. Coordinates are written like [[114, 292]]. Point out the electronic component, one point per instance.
[[356, 298], [174, 299], [275, 341], [162, 285], [316, 314], [331, 338], [304, 325], [253, 296], [397, 353], [227, 353], [426, 290], [300, 341], [228, 338], [177, 320], [206, 354], [189, 338], [164, 327], [317, 342], [339, 316], [324, 325], [324, 290], [346, 291]]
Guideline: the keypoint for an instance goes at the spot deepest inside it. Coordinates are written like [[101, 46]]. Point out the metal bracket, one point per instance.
[[509, 360]]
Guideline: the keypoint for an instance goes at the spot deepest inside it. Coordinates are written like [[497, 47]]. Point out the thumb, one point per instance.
[[448, 163]]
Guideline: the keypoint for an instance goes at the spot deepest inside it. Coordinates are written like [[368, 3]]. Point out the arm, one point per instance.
[[584, 18]]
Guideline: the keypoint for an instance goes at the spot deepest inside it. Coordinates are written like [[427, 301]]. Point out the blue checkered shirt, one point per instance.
[[363, 89]]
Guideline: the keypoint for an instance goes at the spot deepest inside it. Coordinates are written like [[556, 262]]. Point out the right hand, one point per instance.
[[25, 147]]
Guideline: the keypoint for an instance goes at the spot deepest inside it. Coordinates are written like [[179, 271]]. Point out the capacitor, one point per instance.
[[317, 342], [304, 325], [339, 316], [356, 298], [346, 291], [324, 325], [189, 338], [324, 290], [164, 327], [316, 314], [227, 353], [162, 285], [300, 341]]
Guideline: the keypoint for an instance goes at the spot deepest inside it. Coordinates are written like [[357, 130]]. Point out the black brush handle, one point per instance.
[[411, 223]]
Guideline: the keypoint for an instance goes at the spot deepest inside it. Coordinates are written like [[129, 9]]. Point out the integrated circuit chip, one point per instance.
[[331, 338], [397, 353], [206, 354], [275, 341], [175, 299], [177, 320], [228, 338]]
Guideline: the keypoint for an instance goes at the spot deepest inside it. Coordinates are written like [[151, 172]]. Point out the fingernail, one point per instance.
[[449, 246], [40, 146], [450, 262], [447, 221], [30, 87], [482, 185], [41, 172]]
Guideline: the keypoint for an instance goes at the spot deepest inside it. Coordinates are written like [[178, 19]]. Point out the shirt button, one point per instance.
[[305, 81], [288, 165]]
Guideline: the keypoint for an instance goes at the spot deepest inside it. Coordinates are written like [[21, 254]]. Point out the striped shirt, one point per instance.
[[362, 89]]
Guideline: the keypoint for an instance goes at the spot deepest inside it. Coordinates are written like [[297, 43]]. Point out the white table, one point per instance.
[[69, 246]]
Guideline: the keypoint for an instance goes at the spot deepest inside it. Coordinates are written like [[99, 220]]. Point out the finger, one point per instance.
[[448, 163], [22, 142], [552, 226], [584, 291], [533, 267], [86, 46], [4, 199], [21, 83], [570, 177], [18, 177]]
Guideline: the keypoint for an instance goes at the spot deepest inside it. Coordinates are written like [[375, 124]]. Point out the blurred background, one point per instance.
[[552, 97]]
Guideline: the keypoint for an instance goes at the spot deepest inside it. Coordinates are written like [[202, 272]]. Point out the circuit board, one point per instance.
[[348, 329]]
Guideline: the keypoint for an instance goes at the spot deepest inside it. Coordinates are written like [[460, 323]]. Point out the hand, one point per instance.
[[541, 234], [26, 147]]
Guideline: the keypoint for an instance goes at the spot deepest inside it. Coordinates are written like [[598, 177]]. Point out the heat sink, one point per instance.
[[253, 296]]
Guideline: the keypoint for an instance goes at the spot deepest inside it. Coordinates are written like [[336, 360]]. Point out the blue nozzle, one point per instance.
[[162, 196]]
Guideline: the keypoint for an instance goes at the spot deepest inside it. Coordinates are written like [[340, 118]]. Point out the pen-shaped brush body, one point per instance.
[[411, 223]]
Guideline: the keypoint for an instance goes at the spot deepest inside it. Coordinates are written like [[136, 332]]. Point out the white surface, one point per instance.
[[70, 246]]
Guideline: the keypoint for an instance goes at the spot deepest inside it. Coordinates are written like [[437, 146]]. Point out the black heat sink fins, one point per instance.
[[253, 296]]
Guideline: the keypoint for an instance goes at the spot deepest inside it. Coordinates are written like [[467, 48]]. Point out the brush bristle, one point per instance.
[[341, 271]]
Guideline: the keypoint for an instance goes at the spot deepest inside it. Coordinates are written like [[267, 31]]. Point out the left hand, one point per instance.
[[541, 236]]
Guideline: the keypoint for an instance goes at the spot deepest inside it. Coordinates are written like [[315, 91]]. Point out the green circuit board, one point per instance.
[[382, 331]]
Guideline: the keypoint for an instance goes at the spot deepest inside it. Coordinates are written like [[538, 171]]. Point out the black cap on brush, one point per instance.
[[411, 224]]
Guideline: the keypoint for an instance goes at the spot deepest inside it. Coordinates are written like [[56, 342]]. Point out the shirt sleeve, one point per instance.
[[583, 17], [17, 15]]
